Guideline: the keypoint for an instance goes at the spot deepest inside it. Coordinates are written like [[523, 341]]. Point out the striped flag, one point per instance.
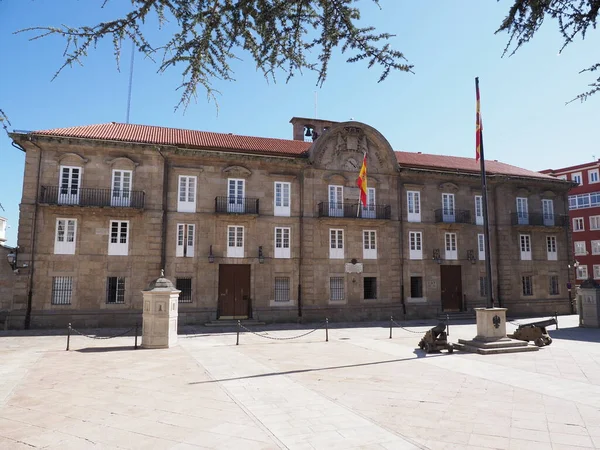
[[361, 182], [478, 126]]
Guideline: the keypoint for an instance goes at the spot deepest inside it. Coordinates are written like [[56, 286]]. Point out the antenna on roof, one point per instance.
[[316, 97], [130, 81]]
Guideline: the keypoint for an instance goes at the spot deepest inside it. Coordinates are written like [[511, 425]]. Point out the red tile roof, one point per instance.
[[203, 139], [183, 138]]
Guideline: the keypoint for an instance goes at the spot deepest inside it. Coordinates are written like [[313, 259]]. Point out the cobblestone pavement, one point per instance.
[[360, 390]]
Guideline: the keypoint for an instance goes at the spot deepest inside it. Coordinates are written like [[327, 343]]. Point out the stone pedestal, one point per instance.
[[160, 310], [589, 304], [491, 335]]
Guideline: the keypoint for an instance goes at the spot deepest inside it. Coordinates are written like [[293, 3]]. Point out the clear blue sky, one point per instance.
[[523, 97]]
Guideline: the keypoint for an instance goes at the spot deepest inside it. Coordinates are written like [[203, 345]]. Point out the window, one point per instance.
[[121, 188], [582, 272], [368, 212], [527, 285], [595, 247], [553, 287], [62, 290], [522, 211], [336, 288], [118, 244], [551, 248], [584, 200], [580, 248], [562, 177], [282, 199], [481, 246], [416, 244], [369, 244], [185, 286], [64, 243], [69, 182], [282, 242], [448, 207], [576, 177], [416, 287], [282, 289], [185, 240], [593, 176], [478, 210], [336, 201], [594, 222], [578, 224], [115, 290], [370, 288], [451, 252], [235, 241], [596, 271], [548, 212], [336, 244], [525, 240], [187, 194], [236, 195], [483, 286], [414, 206]]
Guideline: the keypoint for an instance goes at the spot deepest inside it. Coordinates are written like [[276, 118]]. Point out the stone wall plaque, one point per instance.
[[354, 268], [351, 193]]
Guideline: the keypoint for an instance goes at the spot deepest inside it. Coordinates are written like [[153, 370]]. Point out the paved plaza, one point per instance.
[[360, 390]]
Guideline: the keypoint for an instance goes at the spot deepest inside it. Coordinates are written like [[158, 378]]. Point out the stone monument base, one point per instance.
[[491, 335]]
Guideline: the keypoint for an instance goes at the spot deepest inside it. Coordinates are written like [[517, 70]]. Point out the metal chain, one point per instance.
[[101, 337], [281, 338], [406, 329]]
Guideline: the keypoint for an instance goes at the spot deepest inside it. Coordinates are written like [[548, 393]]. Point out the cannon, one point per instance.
[[435, 340], [535, 331]]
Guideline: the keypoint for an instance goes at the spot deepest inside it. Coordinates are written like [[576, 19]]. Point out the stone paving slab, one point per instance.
[[359, 390]]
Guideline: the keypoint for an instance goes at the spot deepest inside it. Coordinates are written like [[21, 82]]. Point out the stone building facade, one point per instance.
[[271, 229]]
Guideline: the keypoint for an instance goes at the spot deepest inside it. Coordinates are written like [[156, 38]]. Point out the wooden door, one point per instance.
[[234, 291], [451, 288]]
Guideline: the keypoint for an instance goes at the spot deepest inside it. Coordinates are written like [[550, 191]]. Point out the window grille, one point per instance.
[[336, 286], [416, 287], [553, 285], [483, 286], [527, 285], [62, 290], [370, 288], [282, 289], [185, 286], [115, 290]]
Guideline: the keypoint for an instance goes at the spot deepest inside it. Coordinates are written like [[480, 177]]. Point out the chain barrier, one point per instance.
[[281, 338], [405, 329], [90, 336]]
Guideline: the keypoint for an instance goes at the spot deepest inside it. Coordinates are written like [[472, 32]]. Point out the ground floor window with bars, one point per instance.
[[483, 286], [336, 288], [185, 286], [416, 287], [553, 288], [115, 290], [527, 285], [62, 290], [370, 288], [282, 289]]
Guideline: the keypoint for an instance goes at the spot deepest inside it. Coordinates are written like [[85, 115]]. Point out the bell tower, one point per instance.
[[309, 130]]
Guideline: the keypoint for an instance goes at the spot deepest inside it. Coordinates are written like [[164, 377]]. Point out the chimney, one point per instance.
[[309, 130]]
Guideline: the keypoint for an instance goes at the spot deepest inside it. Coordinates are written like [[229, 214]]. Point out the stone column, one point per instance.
[[161, 302], [491, 324], [589, 308]]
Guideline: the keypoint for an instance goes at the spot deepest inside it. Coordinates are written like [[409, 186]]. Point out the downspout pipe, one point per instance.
[[401, 227], [163, 247], [301, 237]]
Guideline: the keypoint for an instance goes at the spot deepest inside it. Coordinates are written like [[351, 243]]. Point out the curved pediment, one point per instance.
[[548, 194], [122, 161], [335, 178], [448, 187], [344, 145], [72, 158], [237, 171], [522, 191]]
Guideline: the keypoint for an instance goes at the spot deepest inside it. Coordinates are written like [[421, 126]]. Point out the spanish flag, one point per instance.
[[478, 124], [361, 182]]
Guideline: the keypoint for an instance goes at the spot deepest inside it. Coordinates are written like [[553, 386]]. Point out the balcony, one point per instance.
[[539, 219], [354, 210], [236, 205], [453, 216], [55, 195]]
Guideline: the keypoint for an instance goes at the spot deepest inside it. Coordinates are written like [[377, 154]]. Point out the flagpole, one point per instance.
[[486, 224]]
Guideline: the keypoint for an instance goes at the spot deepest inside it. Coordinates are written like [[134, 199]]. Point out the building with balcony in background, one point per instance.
[[272, 229]]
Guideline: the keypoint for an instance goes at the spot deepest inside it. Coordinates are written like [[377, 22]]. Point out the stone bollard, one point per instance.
[[159, 316]]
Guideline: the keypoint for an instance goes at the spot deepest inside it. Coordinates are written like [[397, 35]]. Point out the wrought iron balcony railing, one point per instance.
[[118, 198], [236, 205], [453, 216], [539, 219], [354, 210]]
